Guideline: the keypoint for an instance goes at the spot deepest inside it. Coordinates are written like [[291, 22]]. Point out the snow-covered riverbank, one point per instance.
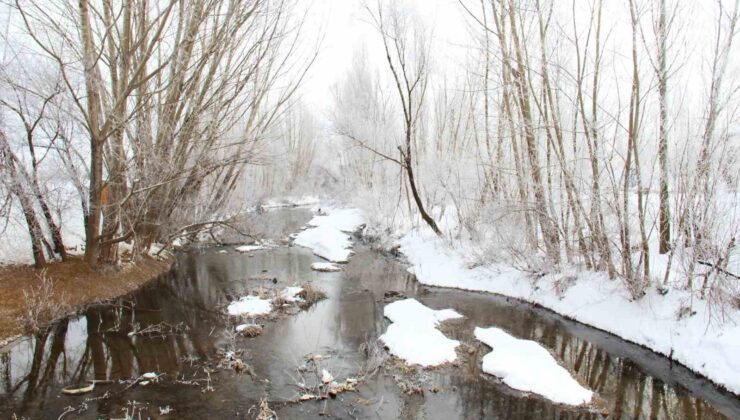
[[699, 341]]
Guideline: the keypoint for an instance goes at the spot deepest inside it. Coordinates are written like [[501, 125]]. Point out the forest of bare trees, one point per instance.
[[565, 140], [151, 111]]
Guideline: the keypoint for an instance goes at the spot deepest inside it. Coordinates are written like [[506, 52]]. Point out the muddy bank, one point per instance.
[[31, 299]]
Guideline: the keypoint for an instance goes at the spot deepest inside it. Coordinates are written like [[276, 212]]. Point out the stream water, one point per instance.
[[189, 332]]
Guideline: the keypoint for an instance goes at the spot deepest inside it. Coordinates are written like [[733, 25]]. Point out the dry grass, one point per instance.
[[42, 304], [251, 330], [311, 294], [263, 411], [68, 285]]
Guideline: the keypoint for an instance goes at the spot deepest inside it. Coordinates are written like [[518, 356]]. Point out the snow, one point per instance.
[[326, 377], [250, 306], [255, 306], [527, 366], [306, 200], [327, 242], [698, 342], [413, 336], [325, 267], [264, 244], [290, 294], [346, 220], [249, 248], [327, 237]]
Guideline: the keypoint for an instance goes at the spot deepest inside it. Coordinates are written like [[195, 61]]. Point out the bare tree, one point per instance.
[[407, 55]]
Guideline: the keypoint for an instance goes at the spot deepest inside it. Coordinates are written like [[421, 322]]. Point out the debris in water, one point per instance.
[[325, 267], [163, 411], [264, 412], [326, 376], [249, 330]]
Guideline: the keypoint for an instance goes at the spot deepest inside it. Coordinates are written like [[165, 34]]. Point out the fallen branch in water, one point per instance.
[[79, 391]]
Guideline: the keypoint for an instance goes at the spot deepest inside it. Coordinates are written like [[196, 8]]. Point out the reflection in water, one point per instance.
[[184, 313]]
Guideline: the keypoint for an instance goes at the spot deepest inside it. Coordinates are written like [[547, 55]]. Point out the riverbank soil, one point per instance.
[[68, 286]]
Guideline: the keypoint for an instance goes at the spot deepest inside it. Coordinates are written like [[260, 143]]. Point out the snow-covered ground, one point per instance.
[[527, 366], [327, 236], [413, 336], [699, 342]]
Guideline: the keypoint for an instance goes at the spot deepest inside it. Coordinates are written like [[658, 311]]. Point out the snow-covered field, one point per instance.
[[413, 336], [527, 366], [699, 342]]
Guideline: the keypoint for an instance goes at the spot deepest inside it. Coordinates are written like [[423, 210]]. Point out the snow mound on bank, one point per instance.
[[250, 306], [413, 336], [527, 366], [699, 342], [325, 267], [346, 220], [327, 237], [326, 242]]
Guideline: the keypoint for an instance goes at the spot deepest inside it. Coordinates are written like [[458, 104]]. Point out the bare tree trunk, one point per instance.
[[92, 86], [16, 187], [664, 221], [549, 230]]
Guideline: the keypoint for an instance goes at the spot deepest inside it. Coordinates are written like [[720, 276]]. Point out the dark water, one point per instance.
[[188, 308]]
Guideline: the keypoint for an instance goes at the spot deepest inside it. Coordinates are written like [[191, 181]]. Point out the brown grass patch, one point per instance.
[[311, 294], [73, 285]]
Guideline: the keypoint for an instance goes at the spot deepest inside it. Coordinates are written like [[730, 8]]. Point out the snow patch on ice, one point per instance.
[[256, 306], [249, 248], [527, 366], [413, 336], [327, 237], [325, 267], [256, 246], [250, 306]]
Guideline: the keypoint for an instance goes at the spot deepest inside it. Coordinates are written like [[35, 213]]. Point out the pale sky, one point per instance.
[[346, 28]]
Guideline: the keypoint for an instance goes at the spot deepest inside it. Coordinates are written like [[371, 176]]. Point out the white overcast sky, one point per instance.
[[346, 28]]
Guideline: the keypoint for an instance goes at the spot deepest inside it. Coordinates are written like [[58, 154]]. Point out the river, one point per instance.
[[189, 334]]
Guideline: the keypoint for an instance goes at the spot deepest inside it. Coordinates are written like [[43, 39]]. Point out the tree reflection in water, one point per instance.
[[633, 382]]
